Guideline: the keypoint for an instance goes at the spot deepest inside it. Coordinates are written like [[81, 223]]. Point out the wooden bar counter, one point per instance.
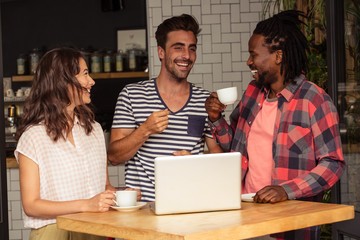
[[251, 221]]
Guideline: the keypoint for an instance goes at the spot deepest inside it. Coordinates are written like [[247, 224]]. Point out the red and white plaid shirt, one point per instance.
[[306, 148]]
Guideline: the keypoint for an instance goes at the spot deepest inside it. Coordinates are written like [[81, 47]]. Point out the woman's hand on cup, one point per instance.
[[100, 202]]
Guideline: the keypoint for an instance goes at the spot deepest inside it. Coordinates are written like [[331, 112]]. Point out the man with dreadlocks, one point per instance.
[[286, 127]]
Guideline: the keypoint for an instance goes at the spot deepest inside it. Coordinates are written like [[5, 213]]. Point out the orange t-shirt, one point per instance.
[[259, 148]]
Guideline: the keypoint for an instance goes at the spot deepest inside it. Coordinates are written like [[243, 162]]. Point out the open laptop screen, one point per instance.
[[197, 183]]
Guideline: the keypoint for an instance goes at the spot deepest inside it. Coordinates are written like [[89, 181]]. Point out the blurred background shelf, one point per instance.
[[109, 75], [11, 162]]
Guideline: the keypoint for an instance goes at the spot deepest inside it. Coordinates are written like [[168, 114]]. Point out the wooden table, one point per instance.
[[251, 221]]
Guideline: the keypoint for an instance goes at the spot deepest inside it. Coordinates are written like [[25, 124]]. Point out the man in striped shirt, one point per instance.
[[162, 116], [286, 127]]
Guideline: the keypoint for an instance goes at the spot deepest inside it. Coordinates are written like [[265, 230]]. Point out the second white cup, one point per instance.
[[227, 95], [126, 198], [20, 93]]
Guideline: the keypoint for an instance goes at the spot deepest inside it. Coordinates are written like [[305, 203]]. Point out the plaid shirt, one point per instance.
[[307, 148]]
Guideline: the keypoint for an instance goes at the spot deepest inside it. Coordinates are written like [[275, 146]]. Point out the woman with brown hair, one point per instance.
[[61, 149]]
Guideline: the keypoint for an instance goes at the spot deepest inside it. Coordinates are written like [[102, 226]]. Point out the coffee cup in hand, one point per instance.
[[126, 198], [227, 95]]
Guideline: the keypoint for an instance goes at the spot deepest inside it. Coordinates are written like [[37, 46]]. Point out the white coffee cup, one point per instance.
[[10, 92], [227, 95], [20, 93], [126, 198]]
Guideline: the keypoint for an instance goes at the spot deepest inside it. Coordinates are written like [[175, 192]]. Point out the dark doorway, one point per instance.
[[4, 228]]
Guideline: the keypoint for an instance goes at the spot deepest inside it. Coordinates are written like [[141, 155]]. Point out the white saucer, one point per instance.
[[248, 197], [130, 209]]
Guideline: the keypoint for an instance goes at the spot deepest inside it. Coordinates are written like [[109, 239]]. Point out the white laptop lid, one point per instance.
[[197, 183]]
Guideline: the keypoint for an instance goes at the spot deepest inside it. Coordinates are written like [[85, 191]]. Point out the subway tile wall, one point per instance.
[[222, 53]]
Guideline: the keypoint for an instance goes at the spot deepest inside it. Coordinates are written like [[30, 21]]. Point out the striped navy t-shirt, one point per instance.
[[186, 130]]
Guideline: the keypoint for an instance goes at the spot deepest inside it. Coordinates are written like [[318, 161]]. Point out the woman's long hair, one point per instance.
[[49, 97]]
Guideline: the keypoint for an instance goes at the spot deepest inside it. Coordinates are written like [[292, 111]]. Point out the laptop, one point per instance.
[[197, 183]]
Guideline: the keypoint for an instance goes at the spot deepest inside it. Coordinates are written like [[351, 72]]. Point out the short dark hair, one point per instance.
[[183, 22], [282, 32]]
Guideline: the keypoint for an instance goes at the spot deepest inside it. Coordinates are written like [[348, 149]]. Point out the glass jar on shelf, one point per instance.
[[132, 59], [119, 62], [34, 58], [108, 61], [21, 64], [96, 62], [142, 60]]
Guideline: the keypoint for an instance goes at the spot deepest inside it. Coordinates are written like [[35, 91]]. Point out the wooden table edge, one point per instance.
[[231, 232]]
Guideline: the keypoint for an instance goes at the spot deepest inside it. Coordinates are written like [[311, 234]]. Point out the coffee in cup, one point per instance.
[[126, 198], [227, 95]]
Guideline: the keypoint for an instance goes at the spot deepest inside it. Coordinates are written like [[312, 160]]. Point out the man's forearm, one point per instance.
[[124, 149]]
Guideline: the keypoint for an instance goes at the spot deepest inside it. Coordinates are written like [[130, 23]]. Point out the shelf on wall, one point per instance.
[[110, 75], [22, 78], [11, 162], [14, 99]]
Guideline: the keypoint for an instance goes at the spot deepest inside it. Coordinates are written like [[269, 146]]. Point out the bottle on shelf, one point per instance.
[[132, 59], [12, 119], [108, 61], [96, 63], [136, 59], [34, 58], [21, 64], [119, 66]]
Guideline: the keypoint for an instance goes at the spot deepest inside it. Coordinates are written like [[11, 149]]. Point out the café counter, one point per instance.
[[252, 220]]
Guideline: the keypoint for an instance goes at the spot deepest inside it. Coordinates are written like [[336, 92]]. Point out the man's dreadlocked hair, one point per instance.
[[282, 32]]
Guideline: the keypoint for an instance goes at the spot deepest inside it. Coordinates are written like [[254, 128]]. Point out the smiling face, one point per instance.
[[264, 65], [179, 55], [86, 82]]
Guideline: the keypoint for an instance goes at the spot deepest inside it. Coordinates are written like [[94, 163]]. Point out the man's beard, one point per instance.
[[265, 80], [179, 78], [176, 74]]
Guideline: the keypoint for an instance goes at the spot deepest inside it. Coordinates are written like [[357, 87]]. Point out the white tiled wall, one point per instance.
[[16, 226], [221, 62]]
